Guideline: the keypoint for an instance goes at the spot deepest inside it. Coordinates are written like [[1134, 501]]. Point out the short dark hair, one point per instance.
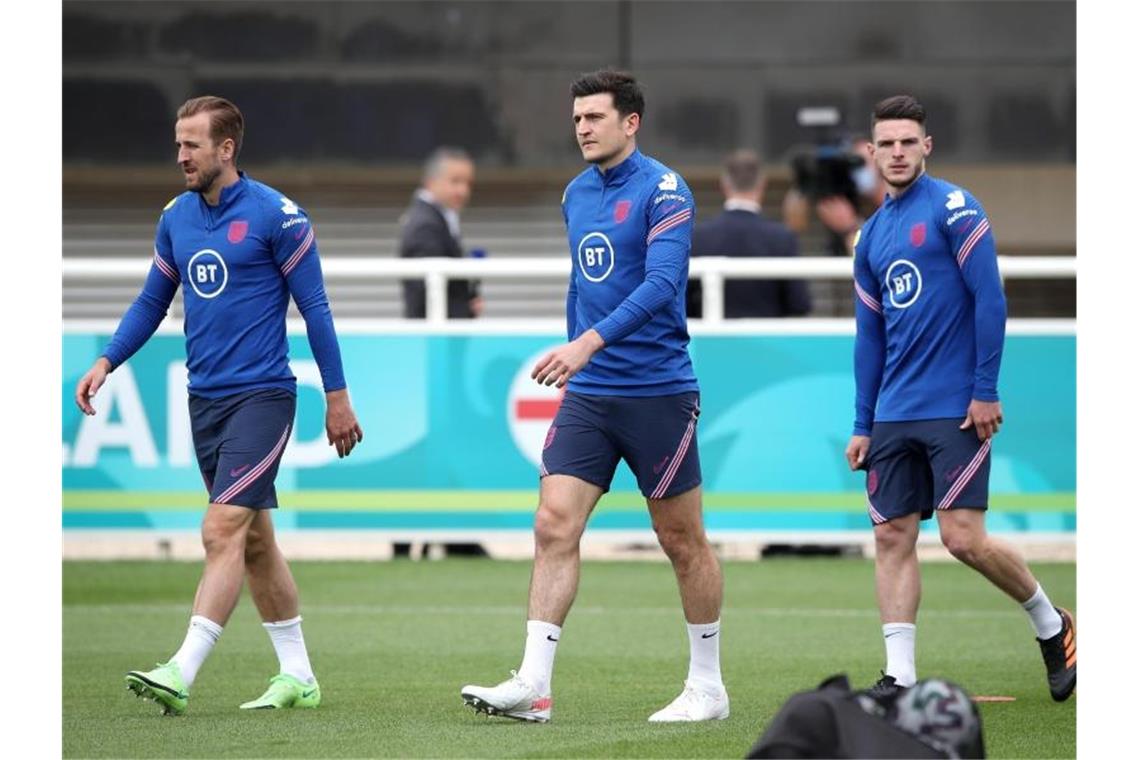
[[899, 107], [743, 170], [226, 120], [624, 88]]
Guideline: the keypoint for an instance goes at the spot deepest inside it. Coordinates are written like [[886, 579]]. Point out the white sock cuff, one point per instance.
[[700, 628], [1046, 621], [894, 627], [209, 627], [1034, 600], [282, 623], [542, 628]]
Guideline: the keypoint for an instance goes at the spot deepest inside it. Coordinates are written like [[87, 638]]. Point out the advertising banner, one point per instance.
[[454, 426]]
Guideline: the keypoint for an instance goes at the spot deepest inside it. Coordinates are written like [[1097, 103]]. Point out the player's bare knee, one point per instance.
[[218, 541], [554, 526], [680, 546], [964, 545], [893, 537], [256, 546], [221, 536]]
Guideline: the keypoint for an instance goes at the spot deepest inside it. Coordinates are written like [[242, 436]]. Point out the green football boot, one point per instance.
[[164, 685], [286, 691]]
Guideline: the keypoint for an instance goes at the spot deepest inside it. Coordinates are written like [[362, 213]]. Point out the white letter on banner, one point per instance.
[[131, 431], [179, 440], [317, 451]]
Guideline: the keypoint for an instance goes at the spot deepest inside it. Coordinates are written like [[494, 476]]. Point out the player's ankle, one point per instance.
[[713, 686]]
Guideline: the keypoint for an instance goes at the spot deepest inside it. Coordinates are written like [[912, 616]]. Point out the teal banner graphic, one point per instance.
[[454, 427]]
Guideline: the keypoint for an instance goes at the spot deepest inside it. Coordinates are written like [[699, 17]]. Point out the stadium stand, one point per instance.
[[366, 92], [90, 38], [379, 40], [703, 122], [144, 137], [1026, 124], [223, 35]]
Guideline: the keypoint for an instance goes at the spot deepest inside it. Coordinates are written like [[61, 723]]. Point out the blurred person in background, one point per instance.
[[430, 228], [841, 215], [930, 327], [239, 249], [741, 231], [631, 393]]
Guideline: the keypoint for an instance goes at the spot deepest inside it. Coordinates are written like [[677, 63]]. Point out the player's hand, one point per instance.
[[476, 305], [985, 417], [90, 384], [340, 423], [796, 211], [857, 449], [561, 364], [837, 214]]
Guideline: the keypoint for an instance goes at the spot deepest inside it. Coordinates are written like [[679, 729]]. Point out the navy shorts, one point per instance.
[[924, 465], [239, 441], [655, 435]]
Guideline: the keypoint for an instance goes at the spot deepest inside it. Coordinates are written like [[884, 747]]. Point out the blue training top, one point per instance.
[[930, 311], [239, 262], [629, 230]]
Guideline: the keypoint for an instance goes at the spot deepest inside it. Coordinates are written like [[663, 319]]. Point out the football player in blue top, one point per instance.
[[630, 394], [930, 323], [239, 250]]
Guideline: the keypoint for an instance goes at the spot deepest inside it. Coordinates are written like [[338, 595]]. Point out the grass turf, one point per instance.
[[393, 642]]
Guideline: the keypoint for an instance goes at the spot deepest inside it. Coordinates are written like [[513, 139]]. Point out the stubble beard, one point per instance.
[[204, 181]]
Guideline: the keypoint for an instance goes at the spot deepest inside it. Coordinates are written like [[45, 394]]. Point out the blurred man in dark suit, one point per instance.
[[430, 227], [741, 231]]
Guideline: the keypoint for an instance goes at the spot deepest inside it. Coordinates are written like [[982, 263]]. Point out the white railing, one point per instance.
[[712, 271]]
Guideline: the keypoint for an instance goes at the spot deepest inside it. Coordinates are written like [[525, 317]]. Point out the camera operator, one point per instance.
[[840, 183]]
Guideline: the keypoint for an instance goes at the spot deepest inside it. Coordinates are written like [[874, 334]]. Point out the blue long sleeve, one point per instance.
[[144, 316], [666, 274], [572, 307], [978, 260], [307, 287], [870, 346]]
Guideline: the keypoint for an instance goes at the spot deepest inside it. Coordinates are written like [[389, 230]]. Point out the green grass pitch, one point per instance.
[[392, 642]]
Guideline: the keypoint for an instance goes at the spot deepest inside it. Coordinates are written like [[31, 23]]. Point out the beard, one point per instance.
[[204, 179]]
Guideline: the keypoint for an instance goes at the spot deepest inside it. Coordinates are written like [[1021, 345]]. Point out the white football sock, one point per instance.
[[899, 638], [704, 656], [1044, 616], [201, 636], [289, 643], [538, 658]]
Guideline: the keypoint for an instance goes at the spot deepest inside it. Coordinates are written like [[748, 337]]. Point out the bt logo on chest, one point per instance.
[[904, 283], [595, 256], [207, 273]]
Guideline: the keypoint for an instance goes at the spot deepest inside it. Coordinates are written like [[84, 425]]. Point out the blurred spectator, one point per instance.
[[430, 227], [741, 231], [841, 215]]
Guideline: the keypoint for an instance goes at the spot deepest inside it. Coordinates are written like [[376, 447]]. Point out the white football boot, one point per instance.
[[694, 704], [513, 698]]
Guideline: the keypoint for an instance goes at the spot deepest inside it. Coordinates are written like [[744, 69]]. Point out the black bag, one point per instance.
[[833, 721]]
